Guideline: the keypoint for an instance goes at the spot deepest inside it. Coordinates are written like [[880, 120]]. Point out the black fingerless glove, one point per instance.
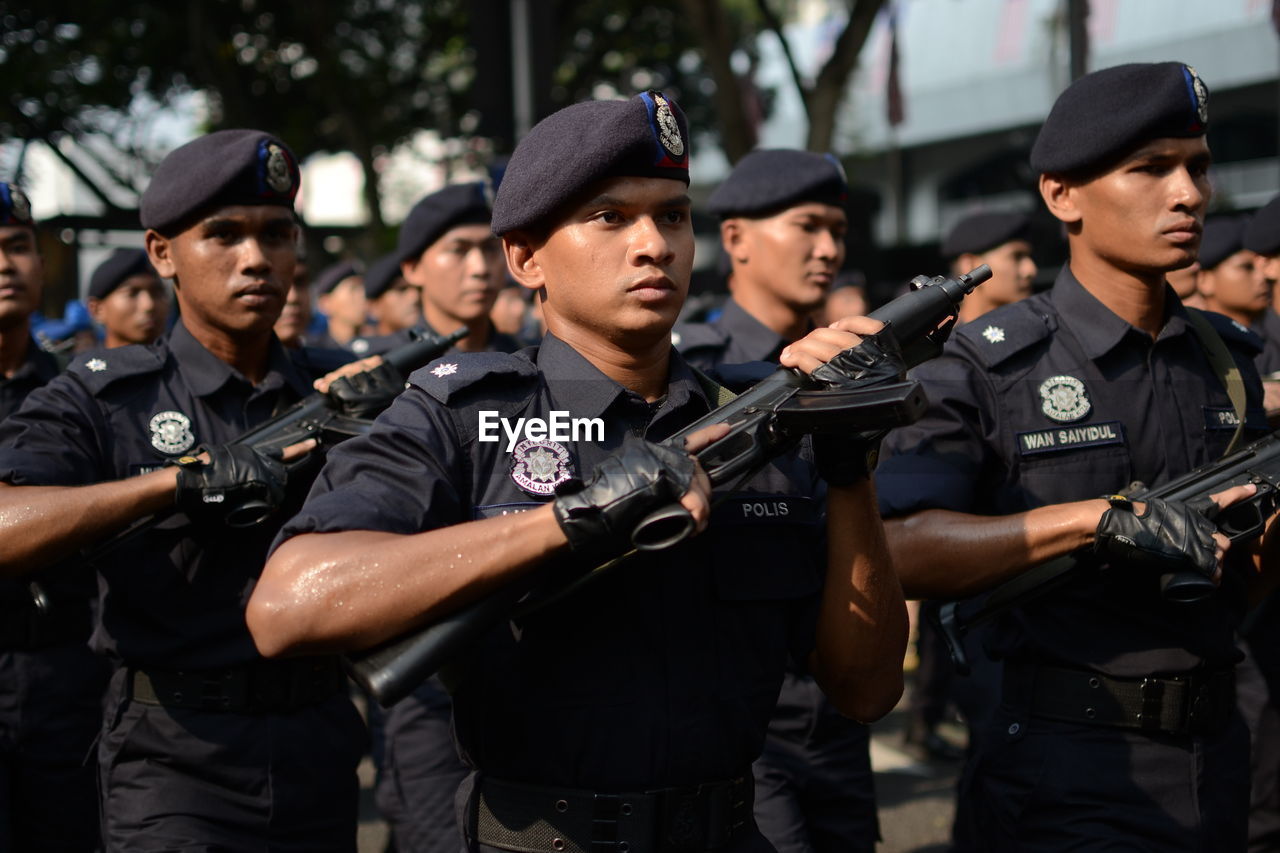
[[843, 460], [1169, 537], [599, 516], [239, 486], [367, 394]]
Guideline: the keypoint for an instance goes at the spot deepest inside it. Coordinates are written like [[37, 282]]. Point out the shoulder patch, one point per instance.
[[1235, 335], [1005, 332], [96, 369], [451, 374]]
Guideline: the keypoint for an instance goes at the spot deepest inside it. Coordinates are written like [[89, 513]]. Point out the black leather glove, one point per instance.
[[599, 516], [367, 394], [1170, 537], [239, 486], [843, 460]]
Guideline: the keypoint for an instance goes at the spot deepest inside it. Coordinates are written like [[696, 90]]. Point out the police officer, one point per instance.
[[392, 302], [1262, 237], [50, 682], [999, 239], [23, 366], [127, 299], [782, 226], [340, 297], [448, 251], [295, 317], [1117, 726], [625, 716], [204, 745], [1230, 281]]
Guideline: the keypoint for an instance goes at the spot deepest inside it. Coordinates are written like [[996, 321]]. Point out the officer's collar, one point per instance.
[[749, 335], [1099, 329], [37, 363], [205, 373], [593, 392]]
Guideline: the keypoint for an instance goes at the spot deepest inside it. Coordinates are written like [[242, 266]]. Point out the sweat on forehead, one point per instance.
[[568, 152]]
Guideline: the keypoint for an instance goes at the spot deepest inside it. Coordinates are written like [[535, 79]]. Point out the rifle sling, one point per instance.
[[1224, 366]]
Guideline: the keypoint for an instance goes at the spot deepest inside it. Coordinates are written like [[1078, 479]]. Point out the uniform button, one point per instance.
[[562, 806], [625, 808], [1095, 683], [557, 844], [623, 847], [1014, 729], [1090, 713]]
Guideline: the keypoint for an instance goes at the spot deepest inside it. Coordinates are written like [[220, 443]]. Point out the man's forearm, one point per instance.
[[328, 592], [40, 525], [862, 623], [944, 554]]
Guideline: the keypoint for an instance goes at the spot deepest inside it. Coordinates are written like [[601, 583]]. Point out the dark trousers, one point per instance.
[[1254, 695], [421, 772], [1049, 786], [50, 713], [814, 788], [178, 779]]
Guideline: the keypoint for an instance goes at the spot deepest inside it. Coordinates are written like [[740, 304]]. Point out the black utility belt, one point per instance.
[[263, 687], [536, 819], [26, 627], [1195, 703]]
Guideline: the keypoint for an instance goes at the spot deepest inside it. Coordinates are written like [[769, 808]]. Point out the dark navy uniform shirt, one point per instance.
[[1057, 399], [38, 368], [732, 338], [174, 598], [662, 672]]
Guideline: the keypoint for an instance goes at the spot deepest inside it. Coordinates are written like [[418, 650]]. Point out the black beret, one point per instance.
[[334, 274], [430, 218], [1263, 232], [381, 274], [1107, 114], [224, 168], [122, 264], [983, 232], [768, 181], [1223, 237], [15, 209], [568, 151]]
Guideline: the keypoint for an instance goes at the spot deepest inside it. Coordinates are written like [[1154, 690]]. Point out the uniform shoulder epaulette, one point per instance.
[[97, 369], [1003, 333], [739, 377], [690, 336], [449, 376], [1233, 332]]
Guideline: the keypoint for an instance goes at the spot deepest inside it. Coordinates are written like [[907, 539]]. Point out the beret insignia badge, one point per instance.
[[277, 169], [1199, 94], [171, 432], [539, 465], [19, 205], [668, 127], [1064, 399]]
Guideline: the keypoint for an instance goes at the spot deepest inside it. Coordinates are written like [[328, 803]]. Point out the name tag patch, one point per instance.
[[765, 509], [1216, 418], [1070, 438]]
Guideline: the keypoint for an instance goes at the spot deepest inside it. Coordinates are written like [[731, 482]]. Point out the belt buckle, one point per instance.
[[215, 690], [1151, 690]]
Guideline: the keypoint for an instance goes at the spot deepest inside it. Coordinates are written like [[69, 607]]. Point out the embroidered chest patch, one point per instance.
[[539, 465], [171, 432]]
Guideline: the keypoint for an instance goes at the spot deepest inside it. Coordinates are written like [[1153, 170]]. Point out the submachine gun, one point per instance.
[[766, 420], [316, 416], [1257, 463]]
